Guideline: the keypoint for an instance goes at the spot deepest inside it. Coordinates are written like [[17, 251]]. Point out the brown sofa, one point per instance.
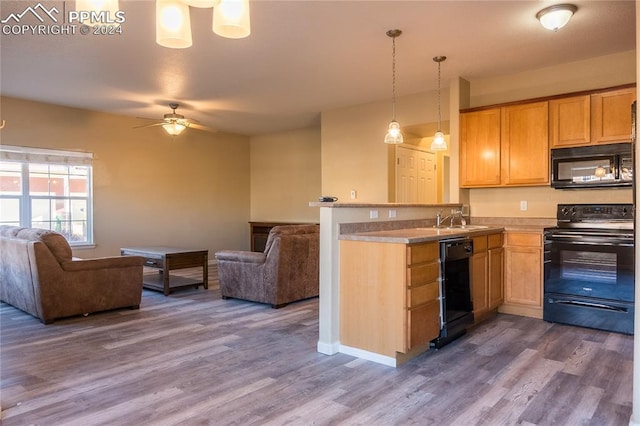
[[39, 276], [287, 271]]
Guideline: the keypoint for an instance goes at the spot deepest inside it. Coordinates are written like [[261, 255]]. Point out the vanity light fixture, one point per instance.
[[393, 136], [439, 143], [555, 17]]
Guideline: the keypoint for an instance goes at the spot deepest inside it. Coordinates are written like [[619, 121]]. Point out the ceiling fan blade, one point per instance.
[[201, 127], [149, 125]]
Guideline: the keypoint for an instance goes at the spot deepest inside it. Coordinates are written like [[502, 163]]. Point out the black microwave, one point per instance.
[[598, 166]]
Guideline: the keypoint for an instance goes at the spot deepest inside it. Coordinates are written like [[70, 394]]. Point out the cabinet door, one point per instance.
[[496, 274], [570, 121], [479, 283], [424, 324], [611, 116], [525, 144], [480, 148], [523, 276]]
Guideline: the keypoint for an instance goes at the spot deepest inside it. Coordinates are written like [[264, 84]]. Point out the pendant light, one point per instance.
[[439, 143], [95, 7], [394, 136], [231, 19], [173, 24]]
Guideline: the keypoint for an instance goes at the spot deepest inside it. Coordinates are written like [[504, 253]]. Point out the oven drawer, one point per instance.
[[589, 312]]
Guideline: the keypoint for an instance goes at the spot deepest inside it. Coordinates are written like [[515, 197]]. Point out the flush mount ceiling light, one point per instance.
[[231, 19], [439, 143], [393, 136], [555, 17]]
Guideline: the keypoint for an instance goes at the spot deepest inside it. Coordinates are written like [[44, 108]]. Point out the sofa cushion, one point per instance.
[[56, 243]]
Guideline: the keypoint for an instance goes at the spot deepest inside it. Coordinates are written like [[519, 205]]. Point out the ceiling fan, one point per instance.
[[174, 123]]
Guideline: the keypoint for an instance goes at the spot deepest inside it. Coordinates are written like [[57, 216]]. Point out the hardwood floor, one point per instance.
[[194, 359]]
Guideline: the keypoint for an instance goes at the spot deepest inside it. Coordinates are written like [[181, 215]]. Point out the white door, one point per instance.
[[415, 176]]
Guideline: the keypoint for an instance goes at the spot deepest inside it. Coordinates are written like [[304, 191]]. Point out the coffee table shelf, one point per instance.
[[167, 259]]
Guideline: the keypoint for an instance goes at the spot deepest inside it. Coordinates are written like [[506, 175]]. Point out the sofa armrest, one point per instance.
[[241, 256], [102, 263]]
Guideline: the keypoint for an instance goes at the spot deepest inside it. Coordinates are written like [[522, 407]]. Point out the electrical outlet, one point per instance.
[[353, 194], [392, 213], [523, 206], [373, 214]]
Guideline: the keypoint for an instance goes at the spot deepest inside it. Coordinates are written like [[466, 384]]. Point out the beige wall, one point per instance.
[[148, 188], [354, 155], [285, 176]]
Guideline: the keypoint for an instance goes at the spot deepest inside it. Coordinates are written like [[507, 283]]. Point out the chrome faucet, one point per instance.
[[451, 217]]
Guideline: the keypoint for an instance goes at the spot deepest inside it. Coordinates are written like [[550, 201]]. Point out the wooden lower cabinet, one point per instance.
[[389, 297], [486, 269], [523, 274]]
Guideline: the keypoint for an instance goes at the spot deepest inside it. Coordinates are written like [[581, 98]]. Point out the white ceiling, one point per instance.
[[302, 57]]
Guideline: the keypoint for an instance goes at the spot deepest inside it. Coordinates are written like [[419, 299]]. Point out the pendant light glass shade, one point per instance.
[[95, 7], [393, 136], [555, 17], [173, 24], [202, 3], [174, 129], [439, 143], [231, 19]]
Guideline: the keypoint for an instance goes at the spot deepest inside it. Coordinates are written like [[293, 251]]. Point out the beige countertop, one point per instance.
[[420, 235]]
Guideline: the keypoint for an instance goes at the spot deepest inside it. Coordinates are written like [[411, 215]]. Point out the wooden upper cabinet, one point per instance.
[[570, 121], [480, 148], [525, 144], [611, 115]]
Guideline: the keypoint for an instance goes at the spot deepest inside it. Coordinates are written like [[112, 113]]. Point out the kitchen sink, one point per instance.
[[462, 227]]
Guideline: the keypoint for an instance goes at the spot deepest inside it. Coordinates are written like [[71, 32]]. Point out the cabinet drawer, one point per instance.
[[423, 294], [496, 240], [418, 275], [421, 253], [528, 240], [424, 324], [479, 244]]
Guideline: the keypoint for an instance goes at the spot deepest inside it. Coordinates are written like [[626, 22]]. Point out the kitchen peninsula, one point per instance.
[[342, 223]]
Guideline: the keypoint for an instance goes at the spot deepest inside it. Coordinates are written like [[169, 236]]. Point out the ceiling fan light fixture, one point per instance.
[[174, 129], [231, 19], [173, 24], [99, 10], [555, 17]]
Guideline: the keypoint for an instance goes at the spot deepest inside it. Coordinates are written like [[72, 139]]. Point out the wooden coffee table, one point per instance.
[[167, 259]]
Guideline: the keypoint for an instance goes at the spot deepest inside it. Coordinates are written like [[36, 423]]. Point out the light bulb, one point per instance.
[[439, 143]]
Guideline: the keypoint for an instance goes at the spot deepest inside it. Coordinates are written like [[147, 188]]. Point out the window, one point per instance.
[[48, 189]]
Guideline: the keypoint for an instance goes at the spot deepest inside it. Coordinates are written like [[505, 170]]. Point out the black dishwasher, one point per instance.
[[456, 305]]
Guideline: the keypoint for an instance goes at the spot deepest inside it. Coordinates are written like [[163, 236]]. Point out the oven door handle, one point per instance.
[[601, 241], [589, 305]]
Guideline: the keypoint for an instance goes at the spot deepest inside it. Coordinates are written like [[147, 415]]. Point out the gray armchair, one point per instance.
[[287, 271]]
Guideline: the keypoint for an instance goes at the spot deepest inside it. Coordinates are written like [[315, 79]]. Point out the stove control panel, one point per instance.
[[594, 212]]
